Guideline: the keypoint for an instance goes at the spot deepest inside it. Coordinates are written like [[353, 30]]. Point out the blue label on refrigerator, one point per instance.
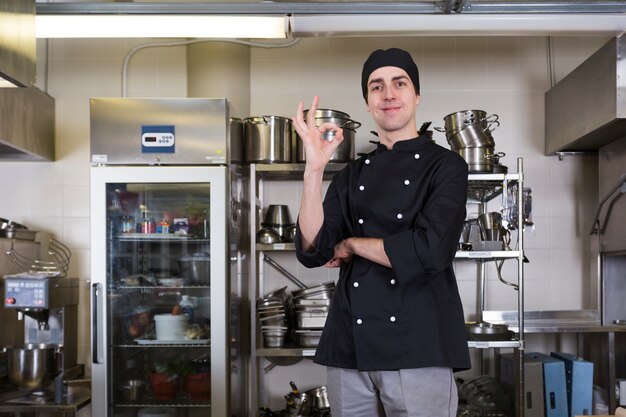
[[158, 139]]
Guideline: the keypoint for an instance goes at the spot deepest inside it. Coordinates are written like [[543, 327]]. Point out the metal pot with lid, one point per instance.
[[267, 139], [469, 129], [345, 151], [480, 159]]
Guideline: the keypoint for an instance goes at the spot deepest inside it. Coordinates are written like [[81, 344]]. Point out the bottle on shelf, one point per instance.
[[186, 306]]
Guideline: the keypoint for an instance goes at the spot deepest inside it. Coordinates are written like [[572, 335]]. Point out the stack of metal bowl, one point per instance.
[[272, 314], [278, 219], [469, 134], [311, 310]]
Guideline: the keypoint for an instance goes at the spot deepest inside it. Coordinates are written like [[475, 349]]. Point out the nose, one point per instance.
[[389, 93]]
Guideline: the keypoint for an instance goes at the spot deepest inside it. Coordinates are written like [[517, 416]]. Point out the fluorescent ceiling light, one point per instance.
[[459, 25], [159, 26]]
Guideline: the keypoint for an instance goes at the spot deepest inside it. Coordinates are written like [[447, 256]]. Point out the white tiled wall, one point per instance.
[[503, 75]]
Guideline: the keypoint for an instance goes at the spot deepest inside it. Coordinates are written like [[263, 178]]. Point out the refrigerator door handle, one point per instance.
[[96, 324]]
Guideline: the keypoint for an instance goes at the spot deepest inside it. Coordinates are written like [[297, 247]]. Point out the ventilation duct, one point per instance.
[[17, 43], [586, 110], [26, 125]]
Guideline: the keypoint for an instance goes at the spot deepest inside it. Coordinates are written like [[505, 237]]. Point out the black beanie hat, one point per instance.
[[393, 57]]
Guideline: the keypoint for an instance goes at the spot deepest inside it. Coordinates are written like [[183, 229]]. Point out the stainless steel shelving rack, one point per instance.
[[482, 189]]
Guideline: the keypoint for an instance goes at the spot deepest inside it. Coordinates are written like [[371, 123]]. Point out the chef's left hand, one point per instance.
[[343, 255]]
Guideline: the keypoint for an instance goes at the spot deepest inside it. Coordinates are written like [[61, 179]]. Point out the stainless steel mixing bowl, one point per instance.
[[33, 366]]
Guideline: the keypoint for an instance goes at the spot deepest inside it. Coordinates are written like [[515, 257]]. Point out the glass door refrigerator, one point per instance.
[[164, 323]]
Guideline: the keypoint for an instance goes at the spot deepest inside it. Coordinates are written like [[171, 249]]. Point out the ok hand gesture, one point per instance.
[[319, 143]]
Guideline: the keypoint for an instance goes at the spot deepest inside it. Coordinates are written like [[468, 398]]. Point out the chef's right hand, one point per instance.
[[318, 151]]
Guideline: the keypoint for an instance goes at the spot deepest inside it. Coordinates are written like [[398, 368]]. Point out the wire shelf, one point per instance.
[[57, 265]]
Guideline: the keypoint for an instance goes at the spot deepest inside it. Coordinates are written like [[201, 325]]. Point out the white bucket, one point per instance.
[[169, 327]]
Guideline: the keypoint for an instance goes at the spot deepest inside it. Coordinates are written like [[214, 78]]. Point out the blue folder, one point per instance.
[[554, 386], [579, 380]]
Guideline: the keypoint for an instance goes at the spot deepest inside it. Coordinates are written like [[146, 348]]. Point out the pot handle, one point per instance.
[[491, 120], [350, 124], [440, 129], [496, 155]]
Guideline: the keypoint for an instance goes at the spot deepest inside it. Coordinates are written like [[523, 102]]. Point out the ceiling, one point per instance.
[[335, 7]]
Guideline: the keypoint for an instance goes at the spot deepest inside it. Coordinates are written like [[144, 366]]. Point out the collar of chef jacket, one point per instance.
[[407, 145]]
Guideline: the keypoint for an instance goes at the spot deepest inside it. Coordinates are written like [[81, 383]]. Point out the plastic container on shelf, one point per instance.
[[170, 327]]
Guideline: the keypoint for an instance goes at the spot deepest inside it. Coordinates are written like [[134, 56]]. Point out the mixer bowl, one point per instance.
[[33, 366]]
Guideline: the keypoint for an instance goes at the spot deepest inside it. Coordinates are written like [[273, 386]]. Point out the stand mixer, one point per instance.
[[48, 307]]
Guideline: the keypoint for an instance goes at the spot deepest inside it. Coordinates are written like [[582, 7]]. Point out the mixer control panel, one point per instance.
[[26, 293]]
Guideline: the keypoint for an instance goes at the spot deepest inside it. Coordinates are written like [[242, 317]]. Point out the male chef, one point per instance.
[[391, 222]]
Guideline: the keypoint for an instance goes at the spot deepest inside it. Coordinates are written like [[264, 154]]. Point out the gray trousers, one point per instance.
[[421, 392]]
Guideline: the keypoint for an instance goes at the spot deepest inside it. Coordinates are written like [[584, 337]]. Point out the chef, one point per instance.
[[391, 220]]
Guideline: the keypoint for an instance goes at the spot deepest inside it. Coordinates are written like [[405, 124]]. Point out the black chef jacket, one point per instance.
[[410, 315]]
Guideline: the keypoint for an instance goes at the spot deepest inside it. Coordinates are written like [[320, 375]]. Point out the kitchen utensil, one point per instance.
[[267, 236], [491, 228], [197, 267], [294, 388], [320, 398], [133, 389], [469, 129], [500, 234], [290, 233], [479, 159], [277, 215], [283, 271], [489, 221], [274, 338], [323, 291], [267, 139], [300, 404], [460, 120], [33, 366], [345, 151], [487, 331], [308, 338]]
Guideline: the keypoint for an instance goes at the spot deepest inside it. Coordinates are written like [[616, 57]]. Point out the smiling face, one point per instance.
[[392, 101]]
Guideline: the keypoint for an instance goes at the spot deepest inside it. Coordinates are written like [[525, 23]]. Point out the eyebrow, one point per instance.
[[380, 80]]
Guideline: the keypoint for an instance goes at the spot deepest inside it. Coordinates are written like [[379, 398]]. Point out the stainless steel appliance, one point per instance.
[[12, 329], [165, 208], [48, 306]]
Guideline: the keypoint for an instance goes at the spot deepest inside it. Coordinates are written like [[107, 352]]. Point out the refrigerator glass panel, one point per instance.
[[158, 308]]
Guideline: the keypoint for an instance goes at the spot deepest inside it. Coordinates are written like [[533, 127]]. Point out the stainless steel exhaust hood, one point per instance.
[[586, 110], [26, 125], [17, 43]]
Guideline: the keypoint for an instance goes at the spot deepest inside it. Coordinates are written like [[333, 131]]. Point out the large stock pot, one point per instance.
[[345, 151], [267, 139]]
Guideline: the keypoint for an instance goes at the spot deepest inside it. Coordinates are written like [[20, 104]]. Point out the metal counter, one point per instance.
[[77, 398]]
